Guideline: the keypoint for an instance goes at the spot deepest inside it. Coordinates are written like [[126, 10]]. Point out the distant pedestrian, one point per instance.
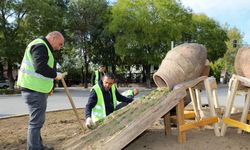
[[98, 74]]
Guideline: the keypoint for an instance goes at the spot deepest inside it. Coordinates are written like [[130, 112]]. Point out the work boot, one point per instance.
[[48, 148]]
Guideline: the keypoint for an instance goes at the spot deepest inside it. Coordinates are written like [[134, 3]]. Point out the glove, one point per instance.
[[89, 123], [58, 76]]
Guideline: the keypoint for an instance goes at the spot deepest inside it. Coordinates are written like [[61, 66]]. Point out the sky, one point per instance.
[[236, 13], [233, 12]]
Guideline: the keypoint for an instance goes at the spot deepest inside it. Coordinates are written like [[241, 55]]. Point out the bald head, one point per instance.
[[55, 39]]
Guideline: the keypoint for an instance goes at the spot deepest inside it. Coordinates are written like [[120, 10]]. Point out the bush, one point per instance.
[[217, 67], [9, 91]]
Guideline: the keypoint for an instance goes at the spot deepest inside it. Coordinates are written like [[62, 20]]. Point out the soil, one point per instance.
[[61, 126]]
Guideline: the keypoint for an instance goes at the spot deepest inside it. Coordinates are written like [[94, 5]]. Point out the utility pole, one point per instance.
[[172, 45]]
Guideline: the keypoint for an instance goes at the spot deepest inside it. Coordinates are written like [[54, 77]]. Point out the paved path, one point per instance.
[[14, 105]]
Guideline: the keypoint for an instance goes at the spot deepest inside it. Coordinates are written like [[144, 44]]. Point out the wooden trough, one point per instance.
[[124, 125]]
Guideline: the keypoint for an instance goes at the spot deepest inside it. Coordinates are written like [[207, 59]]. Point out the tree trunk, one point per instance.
[[113, 69], [82, 73], [86, 66], [1, 71], [10, 76]]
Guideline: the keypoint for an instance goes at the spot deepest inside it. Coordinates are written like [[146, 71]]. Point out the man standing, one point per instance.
[[98, 74], [103, 100], [36, 79]]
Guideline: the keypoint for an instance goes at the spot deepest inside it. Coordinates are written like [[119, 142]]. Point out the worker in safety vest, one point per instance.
[[36, 79], [103, 100], [128, 93], [98, 74]]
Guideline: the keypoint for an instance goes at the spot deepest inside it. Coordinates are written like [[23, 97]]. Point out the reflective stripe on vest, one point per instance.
[[28, 78], [99, 111]]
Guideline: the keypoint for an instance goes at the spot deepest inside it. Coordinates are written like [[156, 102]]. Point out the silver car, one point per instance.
[[4, 84]]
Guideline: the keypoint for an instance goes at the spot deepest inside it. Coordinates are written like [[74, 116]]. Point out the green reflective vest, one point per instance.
[[28, 78], [99, 111], [128, 93]]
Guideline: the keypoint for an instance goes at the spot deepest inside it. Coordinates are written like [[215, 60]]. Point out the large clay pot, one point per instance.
[[242, 62], [182, 63]]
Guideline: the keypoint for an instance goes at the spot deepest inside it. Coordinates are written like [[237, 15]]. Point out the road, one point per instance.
[[14, 104]]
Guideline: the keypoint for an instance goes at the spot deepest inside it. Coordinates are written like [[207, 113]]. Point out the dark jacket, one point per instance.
[[108, 100], [40, 59], [93, 77]]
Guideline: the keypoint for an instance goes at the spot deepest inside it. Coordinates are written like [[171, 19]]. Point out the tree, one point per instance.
[[85, 21], [12, 46], [229, 57], [208, 32], [103, 42], [144, 29], [21, 21], [44, 16]]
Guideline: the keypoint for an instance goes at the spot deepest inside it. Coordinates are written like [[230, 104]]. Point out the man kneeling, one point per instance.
[[103, 100]]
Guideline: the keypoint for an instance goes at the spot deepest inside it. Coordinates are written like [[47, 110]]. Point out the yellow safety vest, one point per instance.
[[99, 111], [28, 78]]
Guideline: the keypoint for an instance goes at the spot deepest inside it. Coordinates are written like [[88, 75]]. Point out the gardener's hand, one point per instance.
[[59, 76], [89, 123]]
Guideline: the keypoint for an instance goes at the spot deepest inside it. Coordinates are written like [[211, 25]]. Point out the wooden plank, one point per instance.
[[180, 120], [133, 128], [245, 109], [167, 123], [194, 103], [198, 98], [233, 86], [248, 117], [143, 122], [211, 104], [237, 124], [190, 83], [128, 131], [189, 114], [245, 81], [198, 124]]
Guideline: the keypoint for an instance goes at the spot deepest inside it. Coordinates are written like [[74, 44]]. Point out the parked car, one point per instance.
[[4, 84]]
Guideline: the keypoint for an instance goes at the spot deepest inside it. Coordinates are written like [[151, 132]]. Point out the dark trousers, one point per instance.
[[37, 104]]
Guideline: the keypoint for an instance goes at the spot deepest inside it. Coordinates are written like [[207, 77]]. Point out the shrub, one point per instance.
[[9, 91], [217, 67]]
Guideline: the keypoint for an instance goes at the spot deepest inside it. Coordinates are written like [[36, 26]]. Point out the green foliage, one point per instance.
[[85, 27], [233, 34], [9, 91], [144, 29], [44, 16], [217, 67], [208, 32]]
